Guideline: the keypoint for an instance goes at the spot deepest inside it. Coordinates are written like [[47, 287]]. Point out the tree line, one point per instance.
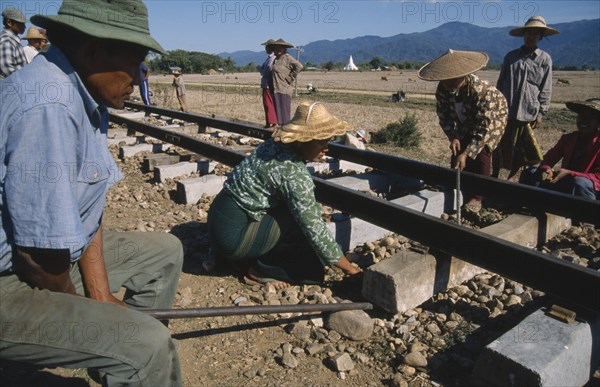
[[201, 63]]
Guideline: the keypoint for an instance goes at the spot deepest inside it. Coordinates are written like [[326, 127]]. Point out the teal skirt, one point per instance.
[[274, 245]]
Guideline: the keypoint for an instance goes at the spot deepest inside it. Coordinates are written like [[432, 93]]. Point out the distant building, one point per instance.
[[350, 66]]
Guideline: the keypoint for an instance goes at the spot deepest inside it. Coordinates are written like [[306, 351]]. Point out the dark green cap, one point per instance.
[[124, 20]]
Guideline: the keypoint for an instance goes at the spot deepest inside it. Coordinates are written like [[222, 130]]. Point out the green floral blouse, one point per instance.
[[274, 175], [484, 110]]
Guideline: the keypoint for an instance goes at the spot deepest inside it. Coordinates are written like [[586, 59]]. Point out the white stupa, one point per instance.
[[350, 66]]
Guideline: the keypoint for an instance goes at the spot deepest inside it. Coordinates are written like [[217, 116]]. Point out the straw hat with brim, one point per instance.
[[34, 33], [14, 14], [535, 22], [453, 64], [123, 20], [311, 122], [592, 104], [281, 42], [269, 42]]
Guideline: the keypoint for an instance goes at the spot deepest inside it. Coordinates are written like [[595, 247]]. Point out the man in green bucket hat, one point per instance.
[[58, 270]]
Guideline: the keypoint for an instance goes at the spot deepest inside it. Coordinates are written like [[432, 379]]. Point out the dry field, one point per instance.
[[363, 99]]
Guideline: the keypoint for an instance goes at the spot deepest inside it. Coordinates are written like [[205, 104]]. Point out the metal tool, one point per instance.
[[168, 314], [562, 314], [458, 197]]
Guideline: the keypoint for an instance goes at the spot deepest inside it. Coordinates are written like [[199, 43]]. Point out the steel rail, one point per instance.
[[536, 199], [222, 123], [167, 314], [540, 271], [565, 280]]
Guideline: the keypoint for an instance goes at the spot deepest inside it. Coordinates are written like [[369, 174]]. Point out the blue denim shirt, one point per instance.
[[56, 167]]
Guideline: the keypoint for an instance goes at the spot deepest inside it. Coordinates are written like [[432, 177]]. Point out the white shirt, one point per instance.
[[30, 52]]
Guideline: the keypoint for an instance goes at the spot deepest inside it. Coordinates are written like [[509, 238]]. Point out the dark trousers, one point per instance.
[[481, 166], [283, 107]]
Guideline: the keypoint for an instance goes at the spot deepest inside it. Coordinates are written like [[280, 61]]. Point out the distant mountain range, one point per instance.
[[577, 44]]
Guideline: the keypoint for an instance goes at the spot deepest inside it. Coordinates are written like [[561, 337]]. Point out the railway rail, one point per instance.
[[512, 194], [571, 284]]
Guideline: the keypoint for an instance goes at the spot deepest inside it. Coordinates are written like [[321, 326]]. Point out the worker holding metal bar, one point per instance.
[[267, 215], [472, 112]]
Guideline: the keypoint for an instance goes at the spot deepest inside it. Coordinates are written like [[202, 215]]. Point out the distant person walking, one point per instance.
[[284, 73], [179, 86], [37, 42], [12, 56], [144, 86], [472, 112], [266, 83], [526, 82]]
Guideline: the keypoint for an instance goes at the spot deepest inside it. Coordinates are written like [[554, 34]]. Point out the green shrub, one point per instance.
[[403, 133]]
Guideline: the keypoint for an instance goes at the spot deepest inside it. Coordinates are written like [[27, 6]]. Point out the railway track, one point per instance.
[[569, 283]]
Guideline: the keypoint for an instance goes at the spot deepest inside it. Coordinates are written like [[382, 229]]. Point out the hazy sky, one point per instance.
[[226, 26]]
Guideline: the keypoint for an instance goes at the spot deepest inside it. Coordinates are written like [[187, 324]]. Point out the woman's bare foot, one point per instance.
[[255, 276]]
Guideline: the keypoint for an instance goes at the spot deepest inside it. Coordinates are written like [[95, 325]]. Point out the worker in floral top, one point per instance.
[[472, 112], [267, 214]]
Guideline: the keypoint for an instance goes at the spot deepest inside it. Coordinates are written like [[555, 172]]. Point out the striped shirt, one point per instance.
[[12, 56], [526, 82]]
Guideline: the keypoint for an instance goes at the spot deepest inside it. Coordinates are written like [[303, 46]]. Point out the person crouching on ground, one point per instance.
[[579, 173], [472, 112], [267, 213]]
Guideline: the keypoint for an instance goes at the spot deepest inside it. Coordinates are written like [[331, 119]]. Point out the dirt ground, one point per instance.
[[249, 350]]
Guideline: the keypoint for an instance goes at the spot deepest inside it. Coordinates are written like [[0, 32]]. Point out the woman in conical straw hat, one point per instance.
[[526, 81], [267, 216], [579, 173], [472, 113]]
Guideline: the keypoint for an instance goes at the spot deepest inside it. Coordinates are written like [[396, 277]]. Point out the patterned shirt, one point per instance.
[[484, 114], [274, 175], [56, 166], [526, 82], [12, 56]]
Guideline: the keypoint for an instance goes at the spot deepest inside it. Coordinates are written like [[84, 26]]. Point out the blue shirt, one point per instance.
[[56, 167], [143, 72]]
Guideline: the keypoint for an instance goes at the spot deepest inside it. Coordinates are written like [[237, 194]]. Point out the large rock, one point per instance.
[[352, 324]]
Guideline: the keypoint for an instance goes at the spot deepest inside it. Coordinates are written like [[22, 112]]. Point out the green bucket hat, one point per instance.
[[123, 20]]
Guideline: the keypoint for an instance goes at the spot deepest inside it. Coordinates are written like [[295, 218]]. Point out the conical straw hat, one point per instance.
[[592, 104], [311, 121], [453, 64], [535, 22]]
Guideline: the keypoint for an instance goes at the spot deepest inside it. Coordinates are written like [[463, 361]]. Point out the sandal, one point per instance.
[[253, 277]]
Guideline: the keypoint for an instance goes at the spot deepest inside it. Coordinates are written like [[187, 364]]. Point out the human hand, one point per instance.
[[537, 124], [547, 175], [455, 146], [559, 174], [110, 299], [461, 161]]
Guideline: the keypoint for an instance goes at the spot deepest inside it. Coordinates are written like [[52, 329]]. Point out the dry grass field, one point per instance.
[[363, 99]]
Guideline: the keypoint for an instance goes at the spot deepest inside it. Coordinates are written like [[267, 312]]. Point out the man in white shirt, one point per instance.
[[37, 41]]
